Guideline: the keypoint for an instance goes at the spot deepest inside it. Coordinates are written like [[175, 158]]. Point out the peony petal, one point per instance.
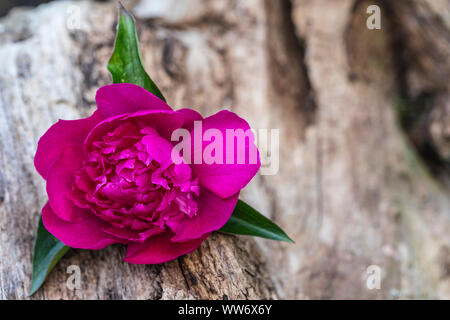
[[158, 148], [213, 213], [227, 179], [159, 249], [121, 98], [163, 121], [132, 235], [60, 179], [62, 133], [85, 234], [189, 116]]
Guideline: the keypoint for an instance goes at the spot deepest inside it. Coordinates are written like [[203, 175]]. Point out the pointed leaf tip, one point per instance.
[[125, 64], [47, 252], [123, 10], [247, 221]]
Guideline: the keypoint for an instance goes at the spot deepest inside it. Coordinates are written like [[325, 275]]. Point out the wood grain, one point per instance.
[[355, 187], [53, 72]]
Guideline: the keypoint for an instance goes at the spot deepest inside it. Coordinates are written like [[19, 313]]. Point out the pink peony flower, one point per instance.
[[110, 178]]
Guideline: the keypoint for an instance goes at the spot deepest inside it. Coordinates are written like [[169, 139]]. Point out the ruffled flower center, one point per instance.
[[129, 180]]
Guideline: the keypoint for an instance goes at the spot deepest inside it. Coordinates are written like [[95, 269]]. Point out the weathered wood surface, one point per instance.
[[351, 189], [52, 72]]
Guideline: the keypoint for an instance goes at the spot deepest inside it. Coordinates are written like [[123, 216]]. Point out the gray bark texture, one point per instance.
[[364, 157]]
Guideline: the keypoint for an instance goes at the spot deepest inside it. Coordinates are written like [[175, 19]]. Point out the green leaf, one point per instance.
[[247, 221], [47, 252], [125, 63]]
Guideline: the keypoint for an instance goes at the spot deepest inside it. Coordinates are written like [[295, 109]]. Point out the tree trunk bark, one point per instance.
[[364, 141]]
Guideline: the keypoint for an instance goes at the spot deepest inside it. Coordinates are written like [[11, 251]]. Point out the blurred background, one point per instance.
[[7, 5], [359, 90]]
